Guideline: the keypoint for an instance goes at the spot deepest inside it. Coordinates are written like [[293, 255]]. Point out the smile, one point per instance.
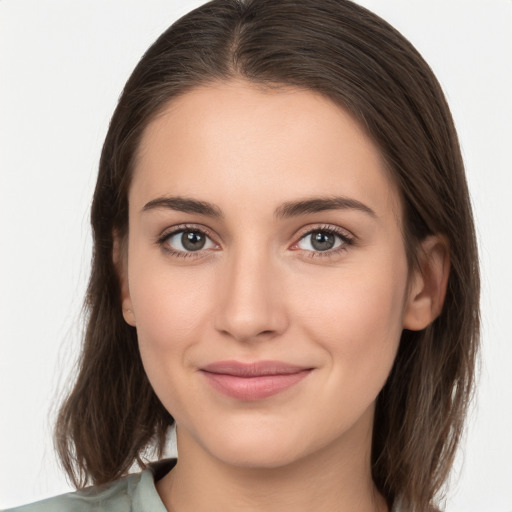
[[254, 381]]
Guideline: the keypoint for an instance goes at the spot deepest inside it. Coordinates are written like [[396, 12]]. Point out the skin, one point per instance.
[[259, 290]]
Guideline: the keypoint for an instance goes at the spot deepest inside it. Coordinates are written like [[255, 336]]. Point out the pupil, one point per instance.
[[192, 241], [322, 241]]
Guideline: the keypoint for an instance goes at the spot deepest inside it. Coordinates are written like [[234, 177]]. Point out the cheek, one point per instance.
[[170, 306], [171, 315], [357, 317]]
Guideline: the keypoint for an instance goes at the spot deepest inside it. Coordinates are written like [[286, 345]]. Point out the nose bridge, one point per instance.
[[250, 303]]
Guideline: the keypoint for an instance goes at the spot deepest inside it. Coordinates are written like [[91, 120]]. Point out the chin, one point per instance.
[[251, 447], [258, 457], [262, 447]]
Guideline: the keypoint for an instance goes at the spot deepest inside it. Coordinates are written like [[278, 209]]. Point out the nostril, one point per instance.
[[248, 307]]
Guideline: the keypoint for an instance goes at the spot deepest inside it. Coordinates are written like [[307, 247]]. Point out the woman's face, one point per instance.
[[265, 273]]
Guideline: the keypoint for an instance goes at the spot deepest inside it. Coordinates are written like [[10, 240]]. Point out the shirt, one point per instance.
[[133, 493]]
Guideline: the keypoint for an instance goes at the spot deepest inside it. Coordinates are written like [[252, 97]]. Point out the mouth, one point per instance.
[[253, 381]]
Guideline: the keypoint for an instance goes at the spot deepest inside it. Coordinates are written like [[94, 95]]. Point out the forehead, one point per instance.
[[266, 144]]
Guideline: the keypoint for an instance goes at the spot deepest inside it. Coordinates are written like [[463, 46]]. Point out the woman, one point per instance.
[[284, 266]]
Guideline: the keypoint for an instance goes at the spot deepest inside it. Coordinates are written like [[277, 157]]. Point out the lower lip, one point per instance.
[[253, 388]]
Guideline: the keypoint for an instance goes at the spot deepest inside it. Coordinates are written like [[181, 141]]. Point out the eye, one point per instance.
[[324, 240], [184, 241]]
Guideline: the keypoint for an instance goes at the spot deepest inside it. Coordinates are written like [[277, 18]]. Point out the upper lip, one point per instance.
[[255, 369]]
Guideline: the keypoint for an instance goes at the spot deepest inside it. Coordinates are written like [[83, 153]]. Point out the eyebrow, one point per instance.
[[286, 210], [183, 204], [320, 204]]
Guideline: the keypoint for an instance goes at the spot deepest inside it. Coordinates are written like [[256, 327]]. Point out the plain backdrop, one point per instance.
[[62, 66]]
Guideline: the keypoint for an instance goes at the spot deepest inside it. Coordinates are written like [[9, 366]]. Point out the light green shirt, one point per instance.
[[132, 493]]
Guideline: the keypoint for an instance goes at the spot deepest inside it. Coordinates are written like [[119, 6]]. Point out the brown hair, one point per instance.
[[356, 59]]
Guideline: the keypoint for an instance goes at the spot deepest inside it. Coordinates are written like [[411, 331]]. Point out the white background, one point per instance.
[[62, 66]]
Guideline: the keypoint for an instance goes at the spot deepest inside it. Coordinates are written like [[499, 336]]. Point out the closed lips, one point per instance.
[[253, 381], [253, 369]]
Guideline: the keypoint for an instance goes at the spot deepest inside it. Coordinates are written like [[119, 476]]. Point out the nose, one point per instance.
[[251, 304]]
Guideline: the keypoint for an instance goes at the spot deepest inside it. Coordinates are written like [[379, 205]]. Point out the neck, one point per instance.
[[336, 478]]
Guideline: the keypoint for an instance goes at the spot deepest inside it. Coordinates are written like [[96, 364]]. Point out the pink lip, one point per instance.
[[253, 381]]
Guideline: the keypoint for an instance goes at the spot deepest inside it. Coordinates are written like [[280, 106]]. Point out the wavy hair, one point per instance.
[[341, 50]]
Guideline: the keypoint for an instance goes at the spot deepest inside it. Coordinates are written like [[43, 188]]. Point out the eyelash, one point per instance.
[[162, 240], [346, 241]]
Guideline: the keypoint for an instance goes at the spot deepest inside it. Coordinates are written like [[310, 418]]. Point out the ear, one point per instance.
[[120, 259], [428, 283]]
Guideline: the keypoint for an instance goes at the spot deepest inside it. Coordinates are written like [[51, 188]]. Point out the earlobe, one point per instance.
[[429, 282], [120, 263], [128, 315]]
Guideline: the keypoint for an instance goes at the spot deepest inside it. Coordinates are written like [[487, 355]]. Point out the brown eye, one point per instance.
[[188, 240], [192, 240], [320, 240]]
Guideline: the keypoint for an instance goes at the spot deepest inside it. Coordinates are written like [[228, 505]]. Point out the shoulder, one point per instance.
[[132, 493], [115, 496]]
